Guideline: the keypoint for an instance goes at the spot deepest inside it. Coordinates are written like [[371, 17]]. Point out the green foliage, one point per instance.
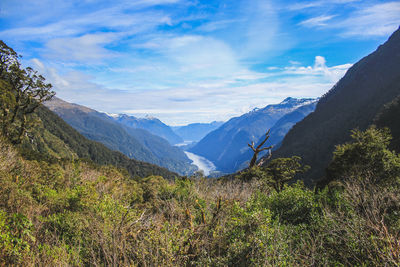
[[254, 172], [22, 91], [276, 174], [367, 156], [293, 205], [15, 236], [282, 170]]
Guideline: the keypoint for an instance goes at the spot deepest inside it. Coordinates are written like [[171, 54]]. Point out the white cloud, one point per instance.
[[317, 21], [332, 74], [185, 60], [364, 20], [376, 20], [319, 3], [200, 101], [87, 49]]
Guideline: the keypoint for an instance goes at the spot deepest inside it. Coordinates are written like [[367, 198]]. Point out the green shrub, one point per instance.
[[293, 205]]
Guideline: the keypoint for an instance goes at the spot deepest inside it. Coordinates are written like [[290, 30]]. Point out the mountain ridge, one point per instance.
[[352, 103]]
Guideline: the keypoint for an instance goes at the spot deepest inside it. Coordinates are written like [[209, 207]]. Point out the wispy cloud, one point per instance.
[[204, 100], [377, 20], [88, 48], [317, 4], [317, 21], [364, 20]]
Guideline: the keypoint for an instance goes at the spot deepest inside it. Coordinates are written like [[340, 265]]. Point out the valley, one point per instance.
[[202, 163]]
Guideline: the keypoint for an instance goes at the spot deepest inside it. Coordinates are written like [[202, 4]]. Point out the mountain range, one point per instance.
[[358, 100], [194, 132], [227, 146], [136, 143]]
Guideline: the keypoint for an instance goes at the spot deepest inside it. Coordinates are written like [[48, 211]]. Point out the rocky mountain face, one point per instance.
[[353, 102], [227, 146]]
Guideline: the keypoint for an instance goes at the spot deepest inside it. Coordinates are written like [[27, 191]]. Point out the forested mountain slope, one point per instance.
[[352, 103], [63, 137], [135, 143], [389, 117]]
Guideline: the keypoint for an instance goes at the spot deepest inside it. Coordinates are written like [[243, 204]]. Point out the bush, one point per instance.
[[293, 205]]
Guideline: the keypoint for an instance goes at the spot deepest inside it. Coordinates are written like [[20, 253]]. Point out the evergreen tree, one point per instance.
[[367, 155]]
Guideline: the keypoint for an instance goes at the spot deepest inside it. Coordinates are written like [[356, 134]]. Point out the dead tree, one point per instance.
[[258, 149]]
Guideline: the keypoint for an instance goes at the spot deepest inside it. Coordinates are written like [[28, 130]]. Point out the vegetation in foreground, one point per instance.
[[65, 211], [77, 213]]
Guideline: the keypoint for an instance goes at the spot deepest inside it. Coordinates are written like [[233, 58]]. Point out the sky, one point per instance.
[[186, 61]]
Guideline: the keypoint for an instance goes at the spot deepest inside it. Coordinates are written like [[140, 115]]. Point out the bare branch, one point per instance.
[[258, 149]]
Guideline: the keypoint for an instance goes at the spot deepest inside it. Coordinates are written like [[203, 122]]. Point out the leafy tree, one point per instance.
[[368, 155], [282, 170], [250, 173], [22, 91]]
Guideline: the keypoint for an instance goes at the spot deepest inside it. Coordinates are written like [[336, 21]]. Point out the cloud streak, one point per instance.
[[363, 21]]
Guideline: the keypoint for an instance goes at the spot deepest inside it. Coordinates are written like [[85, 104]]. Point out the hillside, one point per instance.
[[352, 103], [153, 125], [389, 117], [135, 143], [54, 137], [224, 145]]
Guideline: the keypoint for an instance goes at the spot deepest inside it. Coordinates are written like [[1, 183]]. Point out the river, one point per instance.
[[201, 162]]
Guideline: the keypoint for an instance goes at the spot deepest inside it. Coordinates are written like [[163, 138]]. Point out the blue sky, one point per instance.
[[193, 61]]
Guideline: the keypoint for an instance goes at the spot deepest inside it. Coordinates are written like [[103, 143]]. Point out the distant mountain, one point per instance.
[[196, 131], [352, 103], [135, 143], [153, 125], [226, 145], [278, 131]]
